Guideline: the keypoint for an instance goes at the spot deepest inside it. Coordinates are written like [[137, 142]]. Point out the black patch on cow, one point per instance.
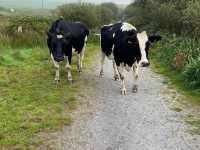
[[73, 33], [124, 43]]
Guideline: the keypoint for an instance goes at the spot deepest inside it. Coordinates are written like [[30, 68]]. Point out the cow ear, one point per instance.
[[155, 38]]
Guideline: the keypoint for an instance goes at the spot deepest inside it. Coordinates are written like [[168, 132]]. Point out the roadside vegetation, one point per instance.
[[178, 54], [31, 103]]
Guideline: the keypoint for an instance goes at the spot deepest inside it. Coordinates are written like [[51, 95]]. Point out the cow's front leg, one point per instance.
[[68, 68], [116, 73], [122, 74], [135, 77], [102, 63], [57, 67], [80, 59]]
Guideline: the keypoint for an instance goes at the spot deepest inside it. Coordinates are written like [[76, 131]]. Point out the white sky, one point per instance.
[[51, 3]]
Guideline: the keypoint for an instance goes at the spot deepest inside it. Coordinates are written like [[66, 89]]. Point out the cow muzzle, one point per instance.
[[58, 59], [144, 63]]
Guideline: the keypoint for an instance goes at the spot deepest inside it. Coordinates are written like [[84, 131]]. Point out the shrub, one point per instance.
[[191, 17], [85, 13], [192, 73], [30, 24]]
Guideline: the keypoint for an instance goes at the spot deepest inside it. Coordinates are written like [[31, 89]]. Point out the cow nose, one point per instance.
[[145, 64], [58, 59]]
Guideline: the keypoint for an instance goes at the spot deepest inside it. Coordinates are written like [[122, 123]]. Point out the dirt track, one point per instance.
[[142, 121]]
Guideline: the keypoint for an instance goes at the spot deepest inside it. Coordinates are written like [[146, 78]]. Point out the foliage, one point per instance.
[[192, 73], [181, 55], [92, 15], [180, 17], [36, 24], [85, 13]]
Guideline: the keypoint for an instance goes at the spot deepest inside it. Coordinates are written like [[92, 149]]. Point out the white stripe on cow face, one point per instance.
[[143, 38]]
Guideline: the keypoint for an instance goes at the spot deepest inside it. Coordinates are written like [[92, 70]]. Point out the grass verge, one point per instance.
[[30, 102], [176, 79]]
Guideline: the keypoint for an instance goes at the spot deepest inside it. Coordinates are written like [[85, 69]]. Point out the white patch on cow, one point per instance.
[[135, 76], [68, 68], [116, 73], [108, 25], [122, 73], [81, 56], [113, 35], [86, 38], [143, 38], [127, 27], [57, 67], [73, 50], [103, 55], [59, 36], [111, 56], [128, 68]]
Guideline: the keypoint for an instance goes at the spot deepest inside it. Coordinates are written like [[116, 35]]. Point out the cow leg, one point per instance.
[[102, 63], [122, 74], [57, 67], [80, 59], [116, 74], [79, 63], [68, 68], [135, 77]]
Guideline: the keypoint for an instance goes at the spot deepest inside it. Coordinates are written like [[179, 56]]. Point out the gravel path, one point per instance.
[[142, 121]]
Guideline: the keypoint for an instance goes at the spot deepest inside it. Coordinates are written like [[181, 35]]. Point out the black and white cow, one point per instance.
[[63, 38], [127, 48]]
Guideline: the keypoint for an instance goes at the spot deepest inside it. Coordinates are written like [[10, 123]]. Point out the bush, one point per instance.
[[192, 73], [85, 13], [30, 24], [33, 32], [191, 17]]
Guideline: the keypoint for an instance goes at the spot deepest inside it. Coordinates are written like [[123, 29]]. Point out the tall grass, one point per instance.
[[182, 55]]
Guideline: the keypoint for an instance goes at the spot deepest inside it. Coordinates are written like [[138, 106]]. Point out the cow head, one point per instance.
[[144, 44], [58, 42]]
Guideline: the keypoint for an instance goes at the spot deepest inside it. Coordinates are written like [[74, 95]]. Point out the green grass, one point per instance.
[[30, 101], [177, 80]]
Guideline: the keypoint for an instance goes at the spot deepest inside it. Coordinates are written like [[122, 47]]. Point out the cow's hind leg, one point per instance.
[[122, 74], [57, 67], [116, 73], [135, 77], [103, 55], [68, 68]]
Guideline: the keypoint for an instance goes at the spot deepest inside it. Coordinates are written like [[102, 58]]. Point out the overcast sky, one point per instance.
[[51, 3]]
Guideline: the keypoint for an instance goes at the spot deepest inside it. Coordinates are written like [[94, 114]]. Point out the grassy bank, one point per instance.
[[30, 102], [178, 59]]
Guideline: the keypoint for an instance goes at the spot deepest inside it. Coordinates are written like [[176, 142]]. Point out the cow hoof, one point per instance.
[[135, 88], [57, 81], [123, 91], [101, 74], [116, 77]]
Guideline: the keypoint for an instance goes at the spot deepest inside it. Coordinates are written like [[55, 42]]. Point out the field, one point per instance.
[[30, 101]]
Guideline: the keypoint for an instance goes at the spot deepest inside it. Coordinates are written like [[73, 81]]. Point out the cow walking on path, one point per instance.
[[63, 38], [127, 48]]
